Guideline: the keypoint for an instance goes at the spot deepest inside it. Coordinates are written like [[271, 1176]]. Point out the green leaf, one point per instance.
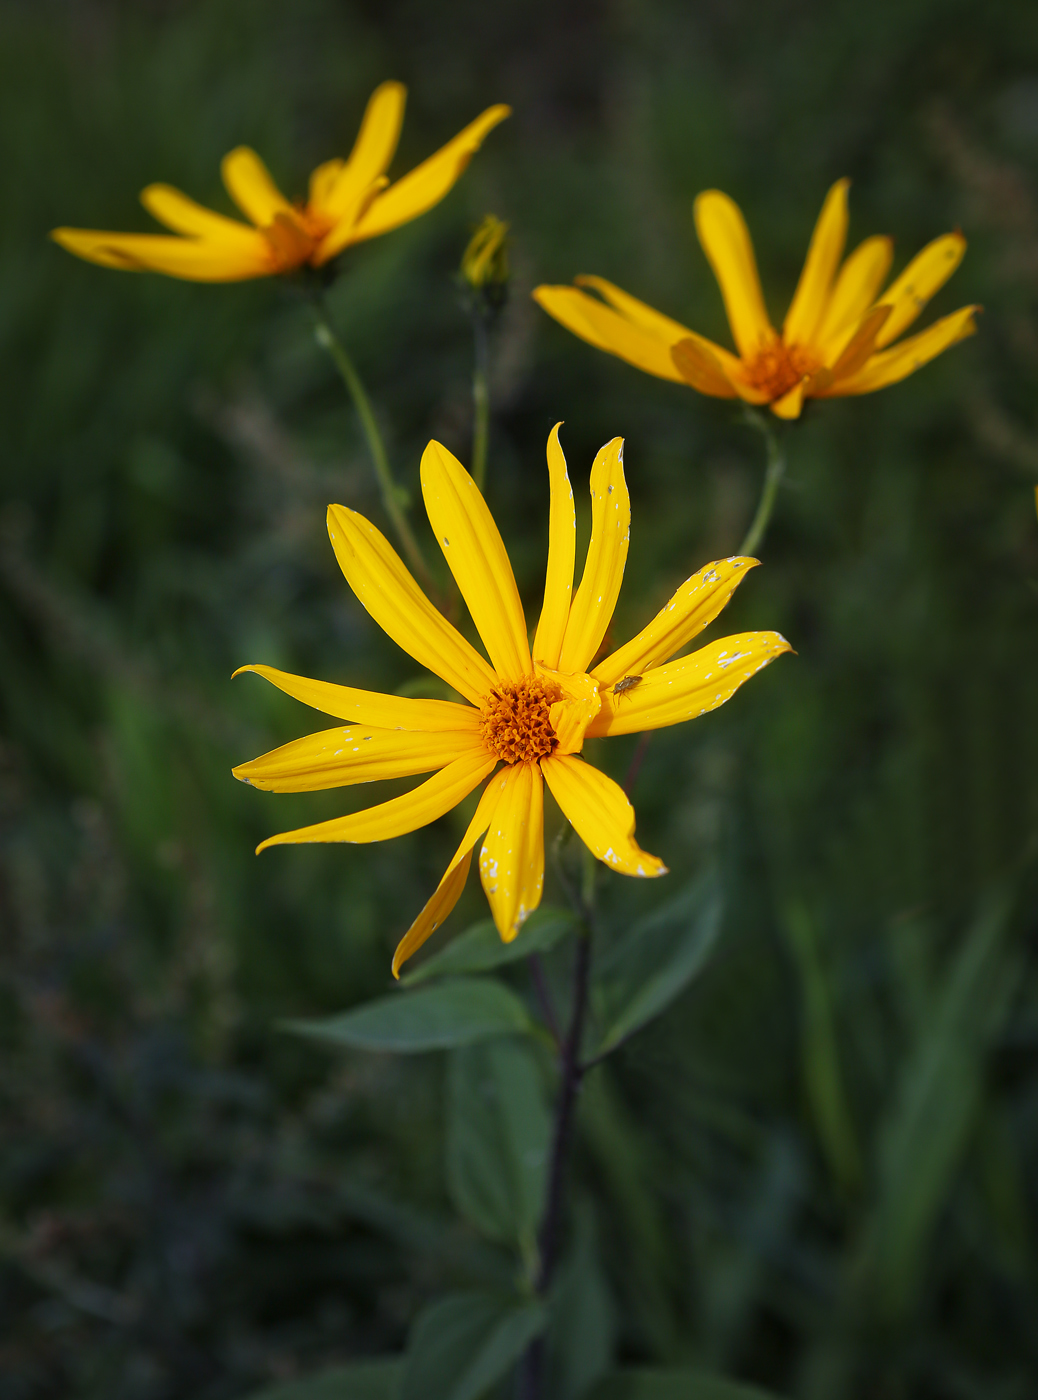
[[675, 1384], [365, 1380], [458, 1012], [498, 1135], [655, 961], [462, 1344], [480, 947], [935, 1110]]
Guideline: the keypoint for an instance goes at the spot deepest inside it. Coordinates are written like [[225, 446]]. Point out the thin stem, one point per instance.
[[480, 399], [571, 1074], [392, 496], [774, 472]]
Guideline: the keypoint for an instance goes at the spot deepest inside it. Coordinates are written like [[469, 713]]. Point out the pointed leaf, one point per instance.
[[655, 961], [456, 1012], [462, 1344], [481, 948], [498, 1134]]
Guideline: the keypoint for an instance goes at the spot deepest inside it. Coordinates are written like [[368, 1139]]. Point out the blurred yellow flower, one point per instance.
[[833, 340], [528, 709], [349, 201], [484, 262]]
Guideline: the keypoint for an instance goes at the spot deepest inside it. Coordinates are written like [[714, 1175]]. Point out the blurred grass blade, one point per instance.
[[676, 1384], [655, 961], [823, 1079], [935, 1109], [498, 1134], [463, 1343], [457, 1012], [365, 1380], [481, 948]]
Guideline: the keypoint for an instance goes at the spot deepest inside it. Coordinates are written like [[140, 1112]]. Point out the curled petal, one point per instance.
[[449, 890], [562, 548], [192, 259], [925, 274], [251, 186], [399, 815], [370, 707], [377, 575], [355, 754], [592, 608], [690, 687], [600, 813], [476, 554], [511, 863], [694, 606], [605, 328], [823, 256], [901, 360]]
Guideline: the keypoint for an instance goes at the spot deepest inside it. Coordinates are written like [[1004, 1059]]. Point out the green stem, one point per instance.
[[480, 400], [774, 472], [392, 495]]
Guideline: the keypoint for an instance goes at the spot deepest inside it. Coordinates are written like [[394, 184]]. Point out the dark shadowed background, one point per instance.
[[818, 1170]]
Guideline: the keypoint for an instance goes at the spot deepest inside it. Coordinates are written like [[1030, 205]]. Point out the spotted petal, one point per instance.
[[353, 754], [600, 814], [511, 863], [562, 548], [592, 608]]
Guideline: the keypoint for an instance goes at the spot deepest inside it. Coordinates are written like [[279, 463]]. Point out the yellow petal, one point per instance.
[[562, 549], [192, 259], [600, 813], [858, 349], [344, 230], [823, 256], [322, 182], [370, 707], [375, 572], [399, 815], [605, 328], [697, 361], [427, 184], [357, 754], [375, 146], [448, 891], [690, 687], [889, 366], [592, 608], [726, 242], [472, 545], [511, 863], [925, 274], [183, 215], [639, 313], [694, 606], [857, 285], [790, 404], [571, 715], [251, 186]]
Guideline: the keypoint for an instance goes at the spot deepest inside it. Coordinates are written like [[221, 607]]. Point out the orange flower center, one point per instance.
[[516, 721], [778, 367], [294, 237]]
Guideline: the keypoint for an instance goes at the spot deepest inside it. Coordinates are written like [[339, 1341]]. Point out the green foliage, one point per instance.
[[367, 1380], [675, 1385], [815, 1168], [654, 961], [463, 1343], [480, 948], [460, 1011], [498, 1135]]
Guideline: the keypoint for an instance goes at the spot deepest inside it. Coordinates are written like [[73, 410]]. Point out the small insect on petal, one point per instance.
[[626, 684]]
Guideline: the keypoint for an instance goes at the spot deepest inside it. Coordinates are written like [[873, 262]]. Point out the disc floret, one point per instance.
[[516, 720]]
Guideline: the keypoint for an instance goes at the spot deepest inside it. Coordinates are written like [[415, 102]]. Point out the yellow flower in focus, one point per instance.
[[529, 708], [349, 201], [834, 340]]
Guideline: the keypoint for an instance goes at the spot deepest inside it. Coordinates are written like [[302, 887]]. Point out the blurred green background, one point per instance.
[[818, 1170]]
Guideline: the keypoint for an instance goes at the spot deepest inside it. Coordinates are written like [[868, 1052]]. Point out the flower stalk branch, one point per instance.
[[774, 471], [393, 496], [571, 1074]]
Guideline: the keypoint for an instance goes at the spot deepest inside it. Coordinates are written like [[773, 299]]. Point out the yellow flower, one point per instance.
[[833, 340], [484, 262], [528, 708], [349, 201]]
